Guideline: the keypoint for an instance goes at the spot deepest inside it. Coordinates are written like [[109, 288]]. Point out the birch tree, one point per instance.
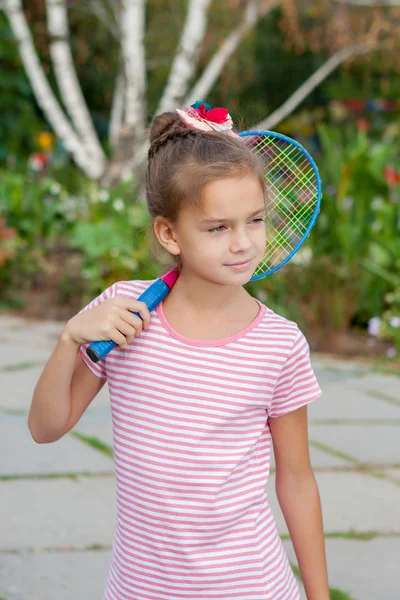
[[344, 28]]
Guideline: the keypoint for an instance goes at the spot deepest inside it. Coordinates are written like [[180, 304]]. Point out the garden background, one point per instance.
[[80, 83]]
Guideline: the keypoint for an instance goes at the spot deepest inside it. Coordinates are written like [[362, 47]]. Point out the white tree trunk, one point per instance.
[[117, 110], [309, 85], [184, 64], [132, 44], [253, 13], [43, 92], [67, 80]]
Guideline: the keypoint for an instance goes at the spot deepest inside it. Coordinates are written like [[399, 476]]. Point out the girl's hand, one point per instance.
[[111, 320]]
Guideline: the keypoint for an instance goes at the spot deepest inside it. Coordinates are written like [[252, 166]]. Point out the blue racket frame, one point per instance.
[[318, 204]]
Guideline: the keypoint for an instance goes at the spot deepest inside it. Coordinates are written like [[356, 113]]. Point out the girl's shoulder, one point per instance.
[[132, 287], [280, 326]]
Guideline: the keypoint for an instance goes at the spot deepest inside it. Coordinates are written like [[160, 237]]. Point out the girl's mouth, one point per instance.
[[242, 266]]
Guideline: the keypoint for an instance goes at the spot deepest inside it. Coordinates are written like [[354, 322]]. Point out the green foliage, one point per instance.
[[368, 79], [359, 222], [113, 241], [37, 208], [19, 121], [106, 229]]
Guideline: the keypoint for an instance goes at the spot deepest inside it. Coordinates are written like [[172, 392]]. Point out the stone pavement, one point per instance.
[[57, 501]]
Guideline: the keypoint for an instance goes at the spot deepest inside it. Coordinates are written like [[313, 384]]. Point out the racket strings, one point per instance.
[[292, 194]]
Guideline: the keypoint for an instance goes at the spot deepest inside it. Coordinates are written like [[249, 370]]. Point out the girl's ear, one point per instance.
[[165, 233]]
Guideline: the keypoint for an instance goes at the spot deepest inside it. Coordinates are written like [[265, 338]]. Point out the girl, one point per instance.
[[200, 390]]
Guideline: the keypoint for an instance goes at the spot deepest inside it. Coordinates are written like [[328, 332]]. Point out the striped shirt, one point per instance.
[[192, 449]]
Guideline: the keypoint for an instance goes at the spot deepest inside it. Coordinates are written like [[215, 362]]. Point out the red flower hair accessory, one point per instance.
[[201, 116]]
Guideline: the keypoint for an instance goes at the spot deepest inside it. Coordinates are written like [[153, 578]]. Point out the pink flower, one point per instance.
[[214, 115]]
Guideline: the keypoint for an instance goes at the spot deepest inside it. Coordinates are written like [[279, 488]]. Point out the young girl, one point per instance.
[[200, 390]]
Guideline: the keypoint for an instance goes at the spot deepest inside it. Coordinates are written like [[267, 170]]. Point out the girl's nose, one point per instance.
[[241, 241]]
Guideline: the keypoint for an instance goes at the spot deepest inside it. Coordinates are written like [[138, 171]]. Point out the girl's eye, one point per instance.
[[259, 220], [219, 228]]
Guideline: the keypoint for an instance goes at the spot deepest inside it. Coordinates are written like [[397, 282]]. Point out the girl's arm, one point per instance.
[[67, 386], [64, 391], [299, 500]]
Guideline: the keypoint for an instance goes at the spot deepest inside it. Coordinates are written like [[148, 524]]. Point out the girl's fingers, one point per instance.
[[129, 330], [144, 312], [118, 338], [133, 306], [135, 321]]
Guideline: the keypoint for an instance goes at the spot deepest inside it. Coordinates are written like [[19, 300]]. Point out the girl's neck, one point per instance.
[[201, 295]]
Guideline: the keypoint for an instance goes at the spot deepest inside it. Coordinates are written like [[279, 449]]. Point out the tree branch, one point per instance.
[[117, 110], [42, 90], [67, 79], [185, 60], [253, 13], [101, 12], [132, 42], [310, 84], [98, 10]]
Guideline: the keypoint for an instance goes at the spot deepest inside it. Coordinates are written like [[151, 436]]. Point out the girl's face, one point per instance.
[[225, 241]]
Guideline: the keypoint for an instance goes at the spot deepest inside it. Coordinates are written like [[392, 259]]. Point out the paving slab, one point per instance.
[[17, 324], [365, 570], [54, 575], [57, 513], [392, 473], [351, 501], [30, 333], [20, 455], [20, 358], [381, 384], [335, 371], [17, 389], [350, 403], [372, 444]]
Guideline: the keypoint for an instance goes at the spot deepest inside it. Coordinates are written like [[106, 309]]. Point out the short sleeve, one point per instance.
[[98, 369], [297, 384]]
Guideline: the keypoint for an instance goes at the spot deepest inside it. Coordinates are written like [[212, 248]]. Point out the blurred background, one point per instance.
[[80, 82]]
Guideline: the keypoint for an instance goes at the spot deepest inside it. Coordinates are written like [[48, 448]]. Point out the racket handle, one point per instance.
[[151, 297]]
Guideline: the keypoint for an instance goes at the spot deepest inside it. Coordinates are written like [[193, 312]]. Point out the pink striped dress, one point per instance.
[[192, 451]]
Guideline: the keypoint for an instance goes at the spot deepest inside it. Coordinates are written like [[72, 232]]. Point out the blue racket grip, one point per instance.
[[151, 297]]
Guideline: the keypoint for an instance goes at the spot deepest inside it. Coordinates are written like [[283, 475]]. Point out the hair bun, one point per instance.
[[161, 124], [166, 128]]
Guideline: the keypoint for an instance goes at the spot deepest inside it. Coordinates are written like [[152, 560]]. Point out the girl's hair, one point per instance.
[[182, 161]]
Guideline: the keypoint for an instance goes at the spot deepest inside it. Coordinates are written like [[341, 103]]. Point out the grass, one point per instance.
[[94, 442], [39, 476], [332, 451], [361, 536], [13, 412], [334, 593], [382, 396], [22, 366], [354, 421], [90, 548]]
